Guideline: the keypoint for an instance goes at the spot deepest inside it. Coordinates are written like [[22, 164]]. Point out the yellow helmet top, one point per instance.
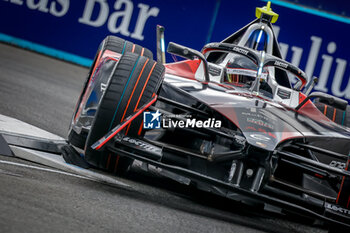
[[266, 13]]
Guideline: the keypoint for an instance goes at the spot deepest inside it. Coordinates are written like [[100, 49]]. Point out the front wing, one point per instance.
[[161, 155]]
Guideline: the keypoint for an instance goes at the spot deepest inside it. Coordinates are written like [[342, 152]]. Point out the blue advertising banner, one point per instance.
[[314, 40], [317, 44], [77, 27]]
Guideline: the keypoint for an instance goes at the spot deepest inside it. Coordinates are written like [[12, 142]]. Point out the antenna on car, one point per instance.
[[266, 13], [160, 45], [265, 17]]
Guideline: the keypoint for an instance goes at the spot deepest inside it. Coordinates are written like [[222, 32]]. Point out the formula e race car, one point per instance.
[[232, 119]]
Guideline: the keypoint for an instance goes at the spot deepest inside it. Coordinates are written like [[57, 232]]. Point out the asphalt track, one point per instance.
[[42, 91]]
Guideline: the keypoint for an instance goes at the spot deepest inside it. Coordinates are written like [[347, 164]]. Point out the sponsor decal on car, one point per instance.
[[337, 164], [261, 144], [246, 72], [337, 209], [260, 137], [260, 122], [281, 64], [143, 145], [103, 87], [152, 120], [191, 123], [240, 50]]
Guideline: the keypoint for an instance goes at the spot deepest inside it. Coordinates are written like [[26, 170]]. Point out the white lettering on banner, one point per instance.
[[41, 5], [327, 62], [144, 14], [64, 5], [58, 8], [123, 17], [284, 50], [18, 2], [117, 22], [311, 60], [338, 78], [297, 52], [102, 15], [326, 68]]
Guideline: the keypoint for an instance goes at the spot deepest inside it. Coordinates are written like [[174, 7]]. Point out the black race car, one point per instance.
[[232, 119]]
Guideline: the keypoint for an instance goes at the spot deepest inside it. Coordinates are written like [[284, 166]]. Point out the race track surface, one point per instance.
[[42, 91]]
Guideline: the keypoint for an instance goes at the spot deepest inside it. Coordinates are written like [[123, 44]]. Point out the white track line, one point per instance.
[[43, 169], [57, 162], [17, 127]]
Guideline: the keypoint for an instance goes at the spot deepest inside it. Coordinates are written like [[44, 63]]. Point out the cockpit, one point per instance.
[[250, 61], [243, 73]]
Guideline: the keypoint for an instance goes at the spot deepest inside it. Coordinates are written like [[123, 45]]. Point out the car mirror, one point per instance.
[[298, 85], [189, 53]]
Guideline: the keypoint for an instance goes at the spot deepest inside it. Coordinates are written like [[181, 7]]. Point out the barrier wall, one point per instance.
[[72, 29]]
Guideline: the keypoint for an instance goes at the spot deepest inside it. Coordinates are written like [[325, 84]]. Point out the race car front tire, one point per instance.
[[134, 82], [114, 44]]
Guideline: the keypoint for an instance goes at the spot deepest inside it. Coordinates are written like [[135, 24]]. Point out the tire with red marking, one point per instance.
[[347, 117], [114, 44], [338, 116], [133, 83]]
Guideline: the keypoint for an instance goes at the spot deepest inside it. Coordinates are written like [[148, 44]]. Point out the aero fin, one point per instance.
[[4, 147], [266, 13]]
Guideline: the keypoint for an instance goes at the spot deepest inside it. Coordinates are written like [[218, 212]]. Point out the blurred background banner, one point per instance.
[[314, 35]]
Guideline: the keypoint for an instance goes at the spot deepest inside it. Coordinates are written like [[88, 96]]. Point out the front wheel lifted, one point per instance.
[[134, 82], [111, 43]]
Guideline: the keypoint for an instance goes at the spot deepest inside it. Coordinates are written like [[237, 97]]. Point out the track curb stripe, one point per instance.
[[43, 169]]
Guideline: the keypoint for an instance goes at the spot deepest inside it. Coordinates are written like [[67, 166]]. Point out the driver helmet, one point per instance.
[[240, 71]]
